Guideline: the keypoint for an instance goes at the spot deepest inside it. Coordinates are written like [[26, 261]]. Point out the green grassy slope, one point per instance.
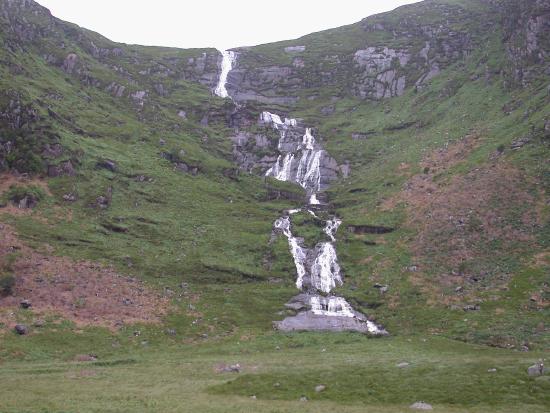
[[470, 218]]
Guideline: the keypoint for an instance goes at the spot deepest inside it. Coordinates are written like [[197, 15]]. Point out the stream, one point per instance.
[[301, 160]]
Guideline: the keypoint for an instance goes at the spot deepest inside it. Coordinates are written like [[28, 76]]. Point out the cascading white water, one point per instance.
[[309, 140], [331, 227], [308, 170], [330, 306], [318, 270], [325, 271], [228, 59], [298, 254]]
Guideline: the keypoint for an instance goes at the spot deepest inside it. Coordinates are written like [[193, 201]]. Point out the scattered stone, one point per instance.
[[25, 304], [232, 368], [39, 323], [519, 143], [277, 385], [537, 369], [107, 164], [303, 399], [471, 307], [320, 388], [253, 397], [403, 365], [492, 371], [21, 329], [421, 406], [162, 142], [85, 357], [382, 288], [182, 114], [170, 332], [69, 197]]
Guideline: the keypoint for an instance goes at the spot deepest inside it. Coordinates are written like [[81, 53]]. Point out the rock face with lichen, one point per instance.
[[382, 57]]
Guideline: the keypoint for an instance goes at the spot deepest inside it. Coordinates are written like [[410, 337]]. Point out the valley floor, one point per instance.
[[360, 374]]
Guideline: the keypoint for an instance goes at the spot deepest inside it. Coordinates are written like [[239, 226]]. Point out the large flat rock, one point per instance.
[[309, 321]]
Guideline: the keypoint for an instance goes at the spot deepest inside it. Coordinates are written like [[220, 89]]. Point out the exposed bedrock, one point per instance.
[[317, 313]]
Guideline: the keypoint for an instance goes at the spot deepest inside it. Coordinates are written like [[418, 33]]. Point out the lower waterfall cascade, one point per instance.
[[318, 270]]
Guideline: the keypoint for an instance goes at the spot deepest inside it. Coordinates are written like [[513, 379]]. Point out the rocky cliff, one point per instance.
[[383, 56]]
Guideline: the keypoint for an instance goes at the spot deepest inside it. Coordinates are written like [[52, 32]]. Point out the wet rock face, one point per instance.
[[300, 159]]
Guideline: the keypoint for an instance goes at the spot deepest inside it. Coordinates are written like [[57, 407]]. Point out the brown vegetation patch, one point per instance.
[[8, 180], [81, 291], [467, 222]]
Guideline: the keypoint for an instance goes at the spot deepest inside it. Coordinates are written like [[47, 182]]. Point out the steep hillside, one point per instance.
[[393, 173], [437, 121], [437, 115]]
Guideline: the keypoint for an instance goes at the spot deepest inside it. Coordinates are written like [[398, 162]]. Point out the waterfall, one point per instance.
[[325, 271], [331, 305], [228, 59], [307, 172], [318, 270], [298, 254], [331, 227]]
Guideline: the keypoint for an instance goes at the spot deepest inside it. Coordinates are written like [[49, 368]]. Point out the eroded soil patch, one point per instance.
[[81, 291]]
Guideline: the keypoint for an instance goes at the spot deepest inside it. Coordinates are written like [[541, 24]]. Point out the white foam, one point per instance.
[[331, 227], [308, 140], [313, 200], [331, 306], [228, 59], [298, 254], [325, 271]]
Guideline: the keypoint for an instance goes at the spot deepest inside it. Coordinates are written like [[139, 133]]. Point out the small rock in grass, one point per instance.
[[492, 371], [21, 329], [85, 357], [320, 388], [253, 397], [403, 365], [25, 304], [39, 323], [421, 406], [537, 369], [232, 368], [303, 399]]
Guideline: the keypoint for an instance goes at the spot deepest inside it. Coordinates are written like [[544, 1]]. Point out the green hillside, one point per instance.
[[438, 116]]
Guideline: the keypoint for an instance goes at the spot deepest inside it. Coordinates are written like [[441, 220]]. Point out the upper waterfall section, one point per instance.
[[228, 60]]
